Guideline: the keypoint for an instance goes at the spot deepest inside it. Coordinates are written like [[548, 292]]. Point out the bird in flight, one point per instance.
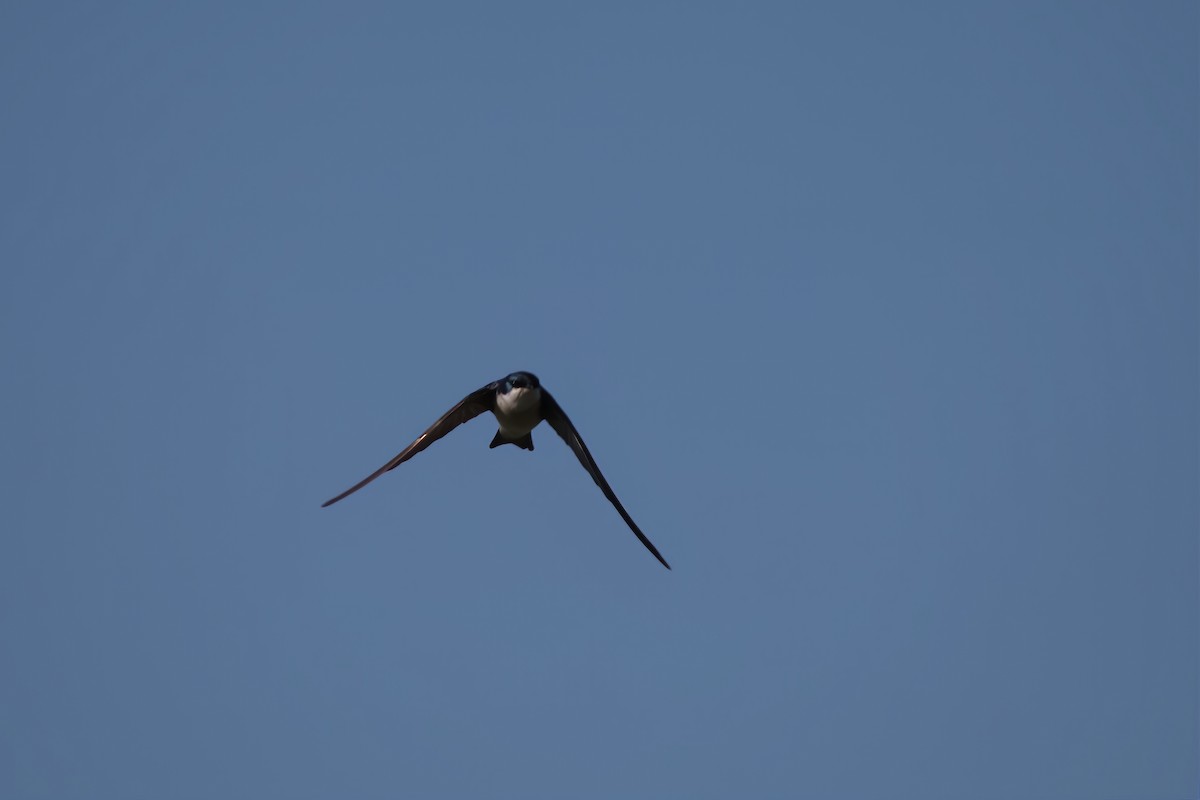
[[519, 403]]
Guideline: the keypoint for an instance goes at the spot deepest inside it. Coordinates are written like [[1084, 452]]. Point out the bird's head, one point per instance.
[[520, 380]]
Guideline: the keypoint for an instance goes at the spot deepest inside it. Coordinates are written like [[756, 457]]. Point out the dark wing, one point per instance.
[[552, 412], [468, 408]]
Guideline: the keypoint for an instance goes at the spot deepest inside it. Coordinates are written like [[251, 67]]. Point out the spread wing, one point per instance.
[[552, 412], [466, 409]]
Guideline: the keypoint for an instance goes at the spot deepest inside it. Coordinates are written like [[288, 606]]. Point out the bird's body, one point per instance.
[[519, 404], [518, 411]]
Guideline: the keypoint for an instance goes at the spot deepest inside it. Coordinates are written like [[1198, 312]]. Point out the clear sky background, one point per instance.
[[881, 319]]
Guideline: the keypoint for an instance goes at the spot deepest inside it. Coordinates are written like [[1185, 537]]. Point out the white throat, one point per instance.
[[518, 400]]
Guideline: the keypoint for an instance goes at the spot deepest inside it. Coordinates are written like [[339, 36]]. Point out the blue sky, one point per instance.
[[881, 319]]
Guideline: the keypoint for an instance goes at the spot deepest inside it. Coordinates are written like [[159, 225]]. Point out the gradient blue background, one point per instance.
[[881, 319]]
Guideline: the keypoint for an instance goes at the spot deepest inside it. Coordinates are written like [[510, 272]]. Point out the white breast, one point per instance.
[[517, 411]]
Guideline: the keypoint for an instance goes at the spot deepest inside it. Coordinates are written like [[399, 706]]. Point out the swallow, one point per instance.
[[519, 403]]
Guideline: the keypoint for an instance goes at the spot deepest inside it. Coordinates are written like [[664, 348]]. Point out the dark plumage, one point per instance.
[[519, 403]]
